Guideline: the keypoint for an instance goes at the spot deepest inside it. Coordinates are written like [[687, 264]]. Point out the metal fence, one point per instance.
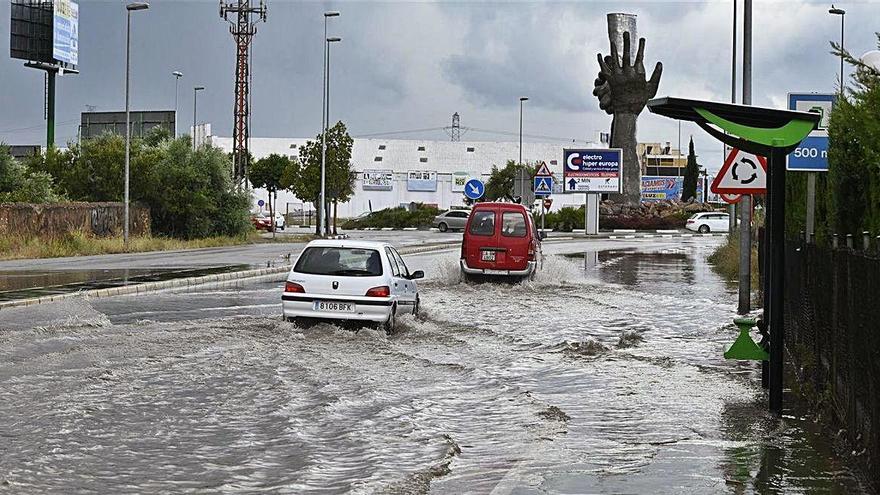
[[832, 324]]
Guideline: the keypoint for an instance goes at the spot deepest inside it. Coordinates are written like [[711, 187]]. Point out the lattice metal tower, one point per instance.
[[456, 127], [243, 27]]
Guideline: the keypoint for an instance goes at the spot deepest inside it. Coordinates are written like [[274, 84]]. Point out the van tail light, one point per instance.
[[463, 250], [531, 252], [293, 287], [382, 291]]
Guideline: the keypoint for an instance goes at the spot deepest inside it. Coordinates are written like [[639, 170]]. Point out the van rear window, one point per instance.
[[513, 224], [483, 223], [347, 262]]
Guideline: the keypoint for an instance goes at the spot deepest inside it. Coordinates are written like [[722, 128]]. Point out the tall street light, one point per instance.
[[128, 8], [177, 75], [325, 118], [519, 173], [842, 13], [196, 90]]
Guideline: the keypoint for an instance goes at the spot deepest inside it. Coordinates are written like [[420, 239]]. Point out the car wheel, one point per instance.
[[391, 323], [704, 229], [443, 227], [416, 307]]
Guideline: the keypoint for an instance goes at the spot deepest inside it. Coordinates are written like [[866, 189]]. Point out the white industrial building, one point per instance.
[[395, 172]]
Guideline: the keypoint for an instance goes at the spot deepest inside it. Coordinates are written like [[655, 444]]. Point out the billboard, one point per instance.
[[45, 32], [592, 170], [421, 180], [65, 31], [378, 180], [459, 179], [658, 188]]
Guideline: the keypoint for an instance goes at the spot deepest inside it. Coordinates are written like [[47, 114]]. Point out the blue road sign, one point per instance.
[[543, 186], [812, 154], [474, 189], [260, 203]]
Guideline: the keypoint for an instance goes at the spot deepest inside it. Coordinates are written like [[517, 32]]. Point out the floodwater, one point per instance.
[[604, 375]]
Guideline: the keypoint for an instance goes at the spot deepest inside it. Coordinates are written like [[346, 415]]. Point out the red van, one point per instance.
[[500, 239]]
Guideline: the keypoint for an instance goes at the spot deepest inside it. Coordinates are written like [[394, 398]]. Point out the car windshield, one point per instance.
[[351, 262]]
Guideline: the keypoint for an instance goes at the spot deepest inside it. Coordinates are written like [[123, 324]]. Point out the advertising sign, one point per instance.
[[65, 24], [657, 188], [592, 170], [378, 180], [421, 180], [812, 154], [459, 179]]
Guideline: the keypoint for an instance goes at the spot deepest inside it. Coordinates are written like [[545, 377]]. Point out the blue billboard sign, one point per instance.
[[592, 170], [65, 31], [658, 188], [812, 154]]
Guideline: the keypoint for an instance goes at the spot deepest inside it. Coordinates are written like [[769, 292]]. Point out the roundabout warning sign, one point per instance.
[[742, 173]]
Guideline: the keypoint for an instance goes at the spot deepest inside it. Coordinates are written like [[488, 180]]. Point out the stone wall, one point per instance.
[[53, 219]]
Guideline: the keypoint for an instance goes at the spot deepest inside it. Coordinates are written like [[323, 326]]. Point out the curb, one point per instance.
[[149, 286]]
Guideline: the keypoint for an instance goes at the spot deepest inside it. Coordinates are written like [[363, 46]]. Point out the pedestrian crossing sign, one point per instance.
[[543, 186]]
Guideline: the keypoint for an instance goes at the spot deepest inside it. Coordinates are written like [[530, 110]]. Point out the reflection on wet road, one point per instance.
[[602, 376]]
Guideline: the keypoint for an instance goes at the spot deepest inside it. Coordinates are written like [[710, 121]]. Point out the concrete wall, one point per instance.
[[52, 219]]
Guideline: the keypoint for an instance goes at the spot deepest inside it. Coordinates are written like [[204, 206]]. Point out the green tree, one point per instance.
[[190, 193], [303, 176], [18, 183], [691, 175], [502, 181], [267, 173]]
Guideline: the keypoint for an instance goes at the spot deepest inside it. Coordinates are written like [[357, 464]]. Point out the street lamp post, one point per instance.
[[842, 13], [128, 8], [521, 186], [325, 118], [177, 75], [195, 114]]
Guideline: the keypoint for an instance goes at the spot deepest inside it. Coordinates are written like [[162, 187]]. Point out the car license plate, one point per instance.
[[487, 255], [335, 307], [495, 272]]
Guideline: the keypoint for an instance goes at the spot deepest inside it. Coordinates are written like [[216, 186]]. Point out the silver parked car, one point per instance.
[[452, 219]]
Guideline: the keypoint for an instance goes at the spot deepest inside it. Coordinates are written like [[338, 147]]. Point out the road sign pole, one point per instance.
[[811, 205], [776, 195], [745, 255]]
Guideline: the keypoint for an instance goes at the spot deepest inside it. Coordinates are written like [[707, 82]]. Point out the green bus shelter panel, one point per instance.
[[790, 134]]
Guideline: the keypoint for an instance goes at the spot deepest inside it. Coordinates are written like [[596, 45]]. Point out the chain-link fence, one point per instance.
[[832, 324]]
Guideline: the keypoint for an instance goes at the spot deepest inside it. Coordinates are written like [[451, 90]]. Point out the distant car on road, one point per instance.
[[261, 222], [452, 219], [280, 221], [362, 281], [500, 239], [708, 222]]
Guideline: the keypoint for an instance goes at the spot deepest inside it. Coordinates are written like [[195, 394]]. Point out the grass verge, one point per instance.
[[725, 262], [81, 244]]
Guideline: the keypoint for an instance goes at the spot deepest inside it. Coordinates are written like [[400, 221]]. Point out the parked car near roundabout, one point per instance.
[[710, 221], [451, 220]]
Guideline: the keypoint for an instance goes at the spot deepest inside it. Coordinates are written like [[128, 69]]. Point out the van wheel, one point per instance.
[[443, 227], [391, 323], [416, 308], [704, 229]]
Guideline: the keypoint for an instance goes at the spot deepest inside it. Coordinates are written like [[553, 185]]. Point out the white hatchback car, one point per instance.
[[708, 222], [350, 280]]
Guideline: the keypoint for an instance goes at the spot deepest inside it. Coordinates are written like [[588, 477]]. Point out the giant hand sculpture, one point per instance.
[[623, 92]]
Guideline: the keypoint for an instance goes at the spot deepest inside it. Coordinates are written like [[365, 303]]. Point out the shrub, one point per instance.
[[420, 217]]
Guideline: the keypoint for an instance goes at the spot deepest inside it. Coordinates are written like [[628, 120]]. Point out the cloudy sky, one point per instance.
[[410, 65]]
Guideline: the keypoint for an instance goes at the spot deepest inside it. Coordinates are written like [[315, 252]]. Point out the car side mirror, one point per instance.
[[416, 274], [542, 235]]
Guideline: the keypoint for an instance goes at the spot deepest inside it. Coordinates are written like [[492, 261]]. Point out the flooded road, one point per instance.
[[604, 375]]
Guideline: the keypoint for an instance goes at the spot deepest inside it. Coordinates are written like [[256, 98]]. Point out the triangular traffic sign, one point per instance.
[[543, 170], [742, 173]]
